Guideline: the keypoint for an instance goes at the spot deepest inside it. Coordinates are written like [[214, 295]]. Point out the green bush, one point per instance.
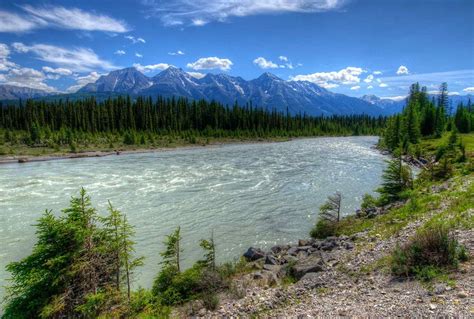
[[323, 229], [430, 249], [210, 301], [174, 287], [368, 202]]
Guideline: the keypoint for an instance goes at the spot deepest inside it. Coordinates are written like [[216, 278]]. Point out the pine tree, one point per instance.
[[397, 177], [171, 255], [210, 253]]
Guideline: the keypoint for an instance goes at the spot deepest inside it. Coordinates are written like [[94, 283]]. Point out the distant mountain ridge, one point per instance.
[[13, 92], [268, 91]]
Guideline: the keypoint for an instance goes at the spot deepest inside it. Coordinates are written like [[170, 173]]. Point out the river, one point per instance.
[[247, 194]]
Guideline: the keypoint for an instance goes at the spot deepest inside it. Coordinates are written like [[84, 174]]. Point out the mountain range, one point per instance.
[[268, 91]]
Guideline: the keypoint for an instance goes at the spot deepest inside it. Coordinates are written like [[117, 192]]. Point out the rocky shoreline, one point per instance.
[[343, 277]]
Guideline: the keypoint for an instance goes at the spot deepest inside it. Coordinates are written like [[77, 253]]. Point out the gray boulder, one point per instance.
[[313, 263], [254, 253]]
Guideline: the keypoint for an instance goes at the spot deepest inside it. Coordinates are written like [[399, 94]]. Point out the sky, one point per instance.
[[354, 47]]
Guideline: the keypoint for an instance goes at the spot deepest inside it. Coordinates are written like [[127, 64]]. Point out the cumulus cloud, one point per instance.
[[138, 55], [469, 89], [377, 72], [59, 17], [264, 63], [5, 64], [283, 58], [383, 85], [355, 87], [151, 67], [120, 52], [77, 59], [200, 12], [370, 87], [347, 76], [83, 80], [179, 52], [210, 63], [402, 70], [369, 78], [27, 77], [197, 75], [134, 39]]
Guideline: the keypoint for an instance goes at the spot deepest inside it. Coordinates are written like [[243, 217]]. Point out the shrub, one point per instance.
[[368, 202], [430, 249], [210, 301], [323, 229], [329, 217]]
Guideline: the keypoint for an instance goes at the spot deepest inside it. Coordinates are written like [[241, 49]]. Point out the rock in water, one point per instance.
[[253, 254]]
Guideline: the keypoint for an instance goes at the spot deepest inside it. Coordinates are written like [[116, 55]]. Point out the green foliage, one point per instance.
[[210, 253], [323, 229], [396, 178], [145, 119], [171, 255], [70, 272], [431, 249], [368, 202], [329, 217]]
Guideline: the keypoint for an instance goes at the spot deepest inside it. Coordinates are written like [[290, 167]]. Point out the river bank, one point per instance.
[[6, 159]]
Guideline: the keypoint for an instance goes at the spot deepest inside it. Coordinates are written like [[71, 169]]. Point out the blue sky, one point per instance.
[[353, 47]]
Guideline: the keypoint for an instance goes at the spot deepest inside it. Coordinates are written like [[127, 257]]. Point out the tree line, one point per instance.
[[174, 115], [423, 117]]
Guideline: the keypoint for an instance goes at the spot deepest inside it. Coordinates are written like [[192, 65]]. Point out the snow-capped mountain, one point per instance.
[[268, 91], [128, 80]]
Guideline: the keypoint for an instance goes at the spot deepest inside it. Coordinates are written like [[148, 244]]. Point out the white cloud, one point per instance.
[[179, 52], [200, 12], [347, 76], [138, 55], [402, 70], [151, 67], [4, 51], [469, 89], [59, 71], [383, 85], [329, 85], [27, 77], [120, 52], [134, 39], [264, 63], [10, 22], [197, 75], [77, 59], [370, 87], [355, 87], [83, 80], [395, 98], [211, 63], [283, 58], [59, 17], [5, 64], [369, 78], [377, 72], [199, 22]]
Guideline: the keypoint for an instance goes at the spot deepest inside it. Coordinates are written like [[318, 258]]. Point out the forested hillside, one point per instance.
[[121, 121]]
